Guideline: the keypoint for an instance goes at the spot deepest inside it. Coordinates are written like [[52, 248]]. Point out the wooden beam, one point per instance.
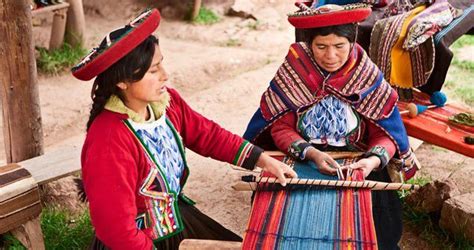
[[192, 244], [58, 29], [22, 129], [54, 165], [49, 9]]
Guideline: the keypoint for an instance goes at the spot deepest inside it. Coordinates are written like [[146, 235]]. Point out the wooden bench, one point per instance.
[[20, 206], [58, 28]]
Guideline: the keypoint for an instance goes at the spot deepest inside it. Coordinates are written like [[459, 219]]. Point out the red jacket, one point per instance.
[[117, 171]]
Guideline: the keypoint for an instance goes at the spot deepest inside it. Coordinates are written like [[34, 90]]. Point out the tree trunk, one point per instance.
[[22, 129]]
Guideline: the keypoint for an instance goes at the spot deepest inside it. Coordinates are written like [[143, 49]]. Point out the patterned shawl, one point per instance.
[[359, 82]]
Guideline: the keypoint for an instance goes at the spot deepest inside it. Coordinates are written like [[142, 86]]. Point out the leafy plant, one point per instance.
[[55, 61], [206, 17]]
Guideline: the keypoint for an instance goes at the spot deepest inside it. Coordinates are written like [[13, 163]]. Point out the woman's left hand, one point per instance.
[[366, 164]]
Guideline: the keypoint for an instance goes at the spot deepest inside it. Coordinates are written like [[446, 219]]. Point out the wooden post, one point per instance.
[[75, 24], [22, 129], [30, 234], [57, 31], [196, 8]]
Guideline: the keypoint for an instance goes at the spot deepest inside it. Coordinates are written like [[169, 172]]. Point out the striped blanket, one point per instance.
[[19, 197], [311, 218]]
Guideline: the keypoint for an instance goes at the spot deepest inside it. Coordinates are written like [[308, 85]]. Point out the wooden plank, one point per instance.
[[54, 165], [50, 8], [414, 143], [192, 244]]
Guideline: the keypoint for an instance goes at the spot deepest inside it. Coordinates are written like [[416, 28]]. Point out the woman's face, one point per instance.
[[150, 88], [330, 52]]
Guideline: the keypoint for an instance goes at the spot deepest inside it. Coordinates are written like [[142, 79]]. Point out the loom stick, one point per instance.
[[334, 154], [374, 185]]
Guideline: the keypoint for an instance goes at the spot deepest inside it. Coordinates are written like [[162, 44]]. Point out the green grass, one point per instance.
[[58, 60], [417, 181], [458, 85], [466, 40], [206, 17], [61, 230], [429, 230]]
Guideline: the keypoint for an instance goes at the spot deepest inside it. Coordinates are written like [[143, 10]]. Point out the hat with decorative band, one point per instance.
[[116, 45], [328, 15]]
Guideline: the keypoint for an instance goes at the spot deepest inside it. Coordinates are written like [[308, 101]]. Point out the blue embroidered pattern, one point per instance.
[[326, 122], [160, 140]]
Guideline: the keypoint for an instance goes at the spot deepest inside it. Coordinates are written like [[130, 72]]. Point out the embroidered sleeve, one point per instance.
[[298, 149], [247, 155], [379, 144], [381, 153]]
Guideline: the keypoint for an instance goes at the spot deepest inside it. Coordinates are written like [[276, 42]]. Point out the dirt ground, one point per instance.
[[221, 70]]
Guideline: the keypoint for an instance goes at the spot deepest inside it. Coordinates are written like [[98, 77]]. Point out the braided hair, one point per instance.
[[131, 68]]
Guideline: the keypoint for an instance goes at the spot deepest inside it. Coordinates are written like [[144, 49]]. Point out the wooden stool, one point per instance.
[[59, 22], [20, 206]]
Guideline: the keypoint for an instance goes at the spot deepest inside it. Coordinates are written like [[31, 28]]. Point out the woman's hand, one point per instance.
[[366, 164], [276, 167], [326, 164]]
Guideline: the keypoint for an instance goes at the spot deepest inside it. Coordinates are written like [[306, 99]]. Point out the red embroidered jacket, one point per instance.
[[128, 206]]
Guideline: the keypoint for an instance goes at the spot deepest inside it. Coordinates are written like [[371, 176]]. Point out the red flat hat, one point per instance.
[[116, 45], [328, 15]]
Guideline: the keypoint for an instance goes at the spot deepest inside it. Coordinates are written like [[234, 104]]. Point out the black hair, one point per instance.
[[348, 31], [131, 68]]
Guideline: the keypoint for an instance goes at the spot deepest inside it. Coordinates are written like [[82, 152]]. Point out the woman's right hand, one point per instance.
[[279, 169], [326, 164]]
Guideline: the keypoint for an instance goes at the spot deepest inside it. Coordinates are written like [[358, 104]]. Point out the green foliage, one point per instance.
[[206, 17], [466, 40], [421, 181], [466, 65], [61, 230], [11, 243], [458, 85], [58, 60], [64, 231]]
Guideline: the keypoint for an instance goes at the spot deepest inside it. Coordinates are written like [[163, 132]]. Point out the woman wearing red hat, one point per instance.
[[133, 162], [329, 96]]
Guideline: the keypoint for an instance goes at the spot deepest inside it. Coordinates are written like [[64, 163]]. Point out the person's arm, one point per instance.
[[207, 138], [380, 150], [288, 140], [110, 182]]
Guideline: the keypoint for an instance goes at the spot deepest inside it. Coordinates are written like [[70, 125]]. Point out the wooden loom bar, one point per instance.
[[374, 185], [334, 154]]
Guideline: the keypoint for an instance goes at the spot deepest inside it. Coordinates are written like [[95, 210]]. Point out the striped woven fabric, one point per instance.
[[19, 197], [299, 83], [403, 68], [304, 217]]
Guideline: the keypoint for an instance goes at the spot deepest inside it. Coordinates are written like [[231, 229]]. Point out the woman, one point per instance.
[[329, 96], [133, 162]]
